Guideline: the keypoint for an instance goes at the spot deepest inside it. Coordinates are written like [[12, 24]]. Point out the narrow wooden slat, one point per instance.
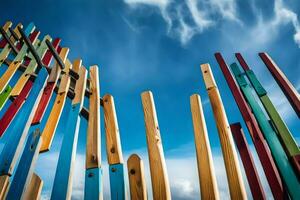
[[54, 116], [26, 166], [93, 156], [159, 177], [234, 175], [41, 51], [286, 86], [206, 171], [113, 143], [62, 186], [5, 27], [248, 162], [137, 183], [287, 173], [259, 142], [4, 96], [4, 183], [34, 189]]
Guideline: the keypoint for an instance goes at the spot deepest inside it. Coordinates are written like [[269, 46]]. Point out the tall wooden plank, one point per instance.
[[234, 175], [137, 183], [261, 146], [285, 168], [159, 176], [55, 113], [4, 182], [62, 186], [93, 155], [285, 85], [206, 171], [113, 149], [248, 162]]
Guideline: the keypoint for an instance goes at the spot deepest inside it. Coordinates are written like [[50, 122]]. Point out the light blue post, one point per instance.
[[26, 166], [93, 184], [63, 177], [287, 173], [18, 129], [117, 182]]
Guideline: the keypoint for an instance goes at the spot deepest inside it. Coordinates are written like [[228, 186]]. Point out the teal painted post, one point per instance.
[[26, 166], [19, 127], [63, 177], [117, 182], [93, 184], [282, 162]]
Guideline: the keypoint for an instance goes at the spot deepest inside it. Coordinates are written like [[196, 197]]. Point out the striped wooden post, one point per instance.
[[114, 150], [59, 102], [93, 175], [137, 183], [285, 85], [62, 186], [285, 168], [34, 189], [248, 162], [259, 142], [26, 166], [206, 171], [289, 143], [159, 176], [19, 126], [234, 175]]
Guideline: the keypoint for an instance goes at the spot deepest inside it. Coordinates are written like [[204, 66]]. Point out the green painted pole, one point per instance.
[[287, 173], [290, 145]]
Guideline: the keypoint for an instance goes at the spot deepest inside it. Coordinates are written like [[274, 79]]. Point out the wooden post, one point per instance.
[[59, 102], [4, 183], [206, 171], [26, 166], [159, 176], [6, 27], [93, 174], [62, 186], [25, 105], [234, 175], [137, 183], [259, 142], [34, 189], [114, 150], [285, 85], [248, 162], [285, 168], [289, 143]]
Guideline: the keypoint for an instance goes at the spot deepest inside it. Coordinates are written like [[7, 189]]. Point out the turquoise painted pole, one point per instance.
[[287, 173]]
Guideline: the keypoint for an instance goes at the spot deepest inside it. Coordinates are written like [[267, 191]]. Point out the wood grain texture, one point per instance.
[[4, 182], [55, 71], [93, 153], [55, 113], [136, 175], [41, 51], [34, 189], [206, 171], [113, 143], [234, 175], [159, 177], [7, 25], [80, 87]]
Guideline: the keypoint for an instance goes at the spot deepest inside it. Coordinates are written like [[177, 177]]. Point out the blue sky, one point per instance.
[[158, 45]]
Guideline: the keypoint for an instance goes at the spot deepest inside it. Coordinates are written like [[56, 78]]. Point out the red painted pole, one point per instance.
[[259, 142], [290, 92], [248, 162], [19, 100]]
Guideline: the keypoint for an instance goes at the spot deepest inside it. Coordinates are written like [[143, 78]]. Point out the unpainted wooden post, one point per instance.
[[234, 175], [159, 176], [136, 175], [206, 171], [34, 189]]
